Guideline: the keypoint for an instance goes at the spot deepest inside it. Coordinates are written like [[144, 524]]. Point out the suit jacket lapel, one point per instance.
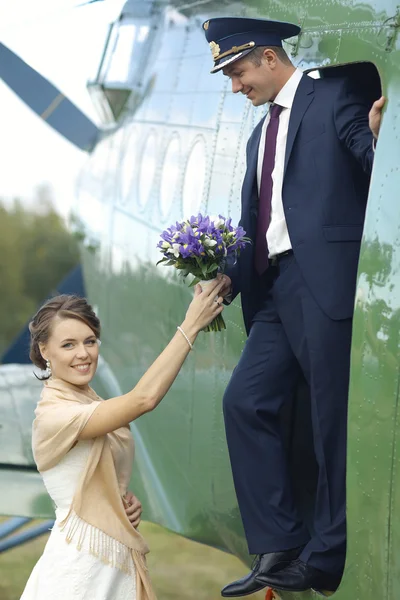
[[253, 151], [303, 98], [252, 161]]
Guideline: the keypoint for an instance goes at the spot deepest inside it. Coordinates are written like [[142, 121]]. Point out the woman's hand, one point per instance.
[[205, 306], [133, 508]]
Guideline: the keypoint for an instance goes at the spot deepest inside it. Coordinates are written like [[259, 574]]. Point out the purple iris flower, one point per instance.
[[202, 244], [204, 225], [240, 232], [199, 250], [228, 225], [167, 236], [186, 251]]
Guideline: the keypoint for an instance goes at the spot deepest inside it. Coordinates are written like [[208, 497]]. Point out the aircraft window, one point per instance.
[[122, 68], [147, 169], [121, 57], [143, 33], [170, 176], [194, 181], [125, 42]]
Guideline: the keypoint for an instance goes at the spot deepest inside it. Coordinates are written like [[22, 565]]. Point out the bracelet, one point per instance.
[[185, 336]]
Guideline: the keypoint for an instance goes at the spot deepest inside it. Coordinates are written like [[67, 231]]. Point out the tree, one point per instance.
[[36, 252], [14, 304]]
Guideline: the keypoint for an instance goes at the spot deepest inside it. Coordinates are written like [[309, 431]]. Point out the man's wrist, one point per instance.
[[228, 296]]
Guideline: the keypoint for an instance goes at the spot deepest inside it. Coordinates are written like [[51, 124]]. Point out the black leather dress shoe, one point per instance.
[[299, 577], [262, 565]]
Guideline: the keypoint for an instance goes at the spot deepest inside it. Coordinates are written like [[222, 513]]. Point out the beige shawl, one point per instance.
[[97, 509]]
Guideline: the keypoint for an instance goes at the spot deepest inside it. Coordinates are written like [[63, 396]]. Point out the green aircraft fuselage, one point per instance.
[[180, 149]]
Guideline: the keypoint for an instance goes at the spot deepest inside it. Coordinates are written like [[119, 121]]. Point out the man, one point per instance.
[[303, 204]]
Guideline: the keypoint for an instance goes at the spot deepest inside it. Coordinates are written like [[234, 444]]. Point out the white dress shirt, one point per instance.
[[277, 235]]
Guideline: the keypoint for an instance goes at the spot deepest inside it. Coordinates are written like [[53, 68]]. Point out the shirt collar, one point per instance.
[[286, 95]]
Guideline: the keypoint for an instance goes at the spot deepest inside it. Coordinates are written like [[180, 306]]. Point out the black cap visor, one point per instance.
[[229, 60]]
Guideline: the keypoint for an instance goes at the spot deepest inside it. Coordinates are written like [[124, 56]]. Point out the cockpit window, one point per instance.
[[127, 45], [122, 75]]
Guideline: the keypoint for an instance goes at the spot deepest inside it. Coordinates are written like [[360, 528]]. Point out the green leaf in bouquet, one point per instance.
[[213, 267], [164, 261], [194, 282], [202, 267]]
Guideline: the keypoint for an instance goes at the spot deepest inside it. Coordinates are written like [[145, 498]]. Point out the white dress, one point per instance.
[[63, 572]]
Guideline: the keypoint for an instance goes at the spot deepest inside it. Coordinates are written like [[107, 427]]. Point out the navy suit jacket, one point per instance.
[[328, 163]]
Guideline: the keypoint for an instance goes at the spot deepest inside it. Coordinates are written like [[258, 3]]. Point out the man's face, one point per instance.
[[257, 83]]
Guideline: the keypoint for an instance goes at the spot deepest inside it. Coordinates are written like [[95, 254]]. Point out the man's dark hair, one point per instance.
[[256, 55]]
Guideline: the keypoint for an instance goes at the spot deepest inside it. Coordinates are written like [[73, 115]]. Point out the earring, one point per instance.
[[48, 368]]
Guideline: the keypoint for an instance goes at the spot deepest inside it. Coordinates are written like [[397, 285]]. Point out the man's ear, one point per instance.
[[270, 57]]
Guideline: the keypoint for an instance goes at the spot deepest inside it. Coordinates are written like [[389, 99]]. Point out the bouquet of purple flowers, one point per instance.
[[201, 247]]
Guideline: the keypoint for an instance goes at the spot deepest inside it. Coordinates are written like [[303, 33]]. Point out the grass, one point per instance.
[[180, 569]]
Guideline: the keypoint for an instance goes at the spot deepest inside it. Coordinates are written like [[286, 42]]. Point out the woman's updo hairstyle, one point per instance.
[[66, 307]]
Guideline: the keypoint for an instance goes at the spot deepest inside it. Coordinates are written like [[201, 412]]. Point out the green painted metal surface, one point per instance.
[[183, 150], [140, 305]]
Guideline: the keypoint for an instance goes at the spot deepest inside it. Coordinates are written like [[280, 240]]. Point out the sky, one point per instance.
[[64, 43]]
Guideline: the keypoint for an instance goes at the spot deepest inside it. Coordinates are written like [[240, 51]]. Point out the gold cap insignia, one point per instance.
[[206, 24], [215, 50]]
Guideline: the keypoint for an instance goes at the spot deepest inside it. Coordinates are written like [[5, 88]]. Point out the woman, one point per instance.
[[84, 451]]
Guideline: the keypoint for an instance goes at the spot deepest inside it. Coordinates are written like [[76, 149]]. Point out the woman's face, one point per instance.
[[73, 351]]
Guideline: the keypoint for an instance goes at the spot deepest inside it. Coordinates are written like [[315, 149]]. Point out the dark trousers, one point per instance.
[[290, 334]]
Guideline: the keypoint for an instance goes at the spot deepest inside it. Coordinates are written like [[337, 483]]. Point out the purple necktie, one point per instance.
[[264, 205]]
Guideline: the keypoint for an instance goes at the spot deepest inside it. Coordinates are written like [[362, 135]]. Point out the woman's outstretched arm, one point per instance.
[[157, 380]]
